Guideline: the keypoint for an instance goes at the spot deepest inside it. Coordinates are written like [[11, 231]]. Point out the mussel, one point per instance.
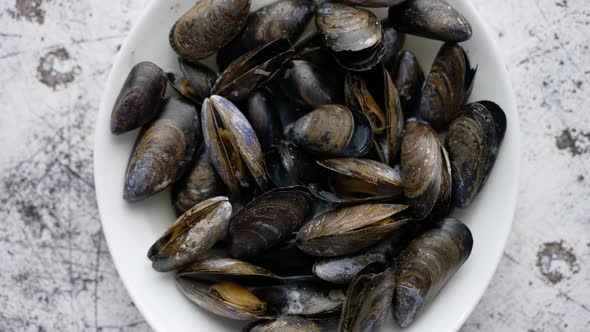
[[352, 34], [193, 233], [233, 146], [347, 230], [288, 165], [332, 130], [223, 286], [408, 79], [302, 296], [393, 41], [434, 19], [341, 270], [198, 184], [426, 171], [284, 324], [163, 150], [285, 260], [207, 27], [356, 179], [281, 19], [140, 98], [312, 49], [368, 299], [264, 120], [380, 102], [427, 264], [472, 141], [267, 221], [372, 3], [183, 87], [251, 70], [308, 86], [447, 86]]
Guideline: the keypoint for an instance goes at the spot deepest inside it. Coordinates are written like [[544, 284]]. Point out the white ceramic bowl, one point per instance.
[[130, 229]]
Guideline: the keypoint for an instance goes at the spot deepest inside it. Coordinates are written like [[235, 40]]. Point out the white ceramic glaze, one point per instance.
[[130, 229]]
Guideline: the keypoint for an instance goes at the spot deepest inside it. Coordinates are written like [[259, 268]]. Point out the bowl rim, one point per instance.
[[515, 142]]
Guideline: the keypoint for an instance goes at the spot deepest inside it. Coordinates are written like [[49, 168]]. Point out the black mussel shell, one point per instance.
[[284, 324], [287, 165], [408, 79], [393, 41], [281, 19], [183, 87], [309, 86], [200, 77], [434, 19], [163, 150], [372, 3], [140, 98], [264, 120], [286, 260]]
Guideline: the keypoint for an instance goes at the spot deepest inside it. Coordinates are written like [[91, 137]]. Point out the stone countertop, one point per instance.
[[57, 274]]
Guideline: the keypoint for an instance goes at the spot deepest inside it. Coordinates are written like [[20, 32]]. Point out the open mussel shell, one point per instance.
[[264, 120], [140, 98], [472, 141], [302, 296], [341, 270], [447, 86], [223, 286], [267, 221], [434, 19], [251, 70], [427, 264], [284, 324], [425, 170], [393, 42], [347, 230], [193, 233], [287, 165], [198, 184], [332, 130], [356, 180], [285, 260], [207, 27], [368, 299], [281, 19], [183, 87], [200, 77], [408, 79], [163, 150], [308, 86], [234, 149], [353, 35]]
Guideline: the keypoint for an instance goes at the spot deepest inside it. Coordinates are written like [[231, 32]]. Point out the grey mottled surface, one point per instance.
[[56, 273]]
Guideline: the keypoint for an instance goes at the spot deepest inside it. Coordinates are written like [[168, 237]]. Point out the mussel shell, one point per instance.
[[312, 49], [281, 19], [286, 260], [198, 184], [288, 165], [425, 169], [353, 34], [218, 112], [264, 120], [357, 180], [228, 269], [332, 130], [408, 79], [140, 98], [427, 264], [368, 299], [302, 297], [267, 221], [434, 19], [163, 150], [359, 97], [200, 77], [347, 230], [308, 86], [183, 87], [341, 270], [207, 27], [193, 233], [284, 324], [472, 141], [393, 42], [251, 70], [447, 86]]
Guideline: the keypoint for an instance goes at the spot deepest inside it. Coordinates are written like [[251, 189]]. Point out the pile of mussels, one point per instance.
[[308, 174]]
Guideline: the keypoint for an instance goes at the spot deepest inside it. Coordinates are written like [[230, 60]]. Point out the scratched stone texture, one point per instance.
[[56, 273]]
